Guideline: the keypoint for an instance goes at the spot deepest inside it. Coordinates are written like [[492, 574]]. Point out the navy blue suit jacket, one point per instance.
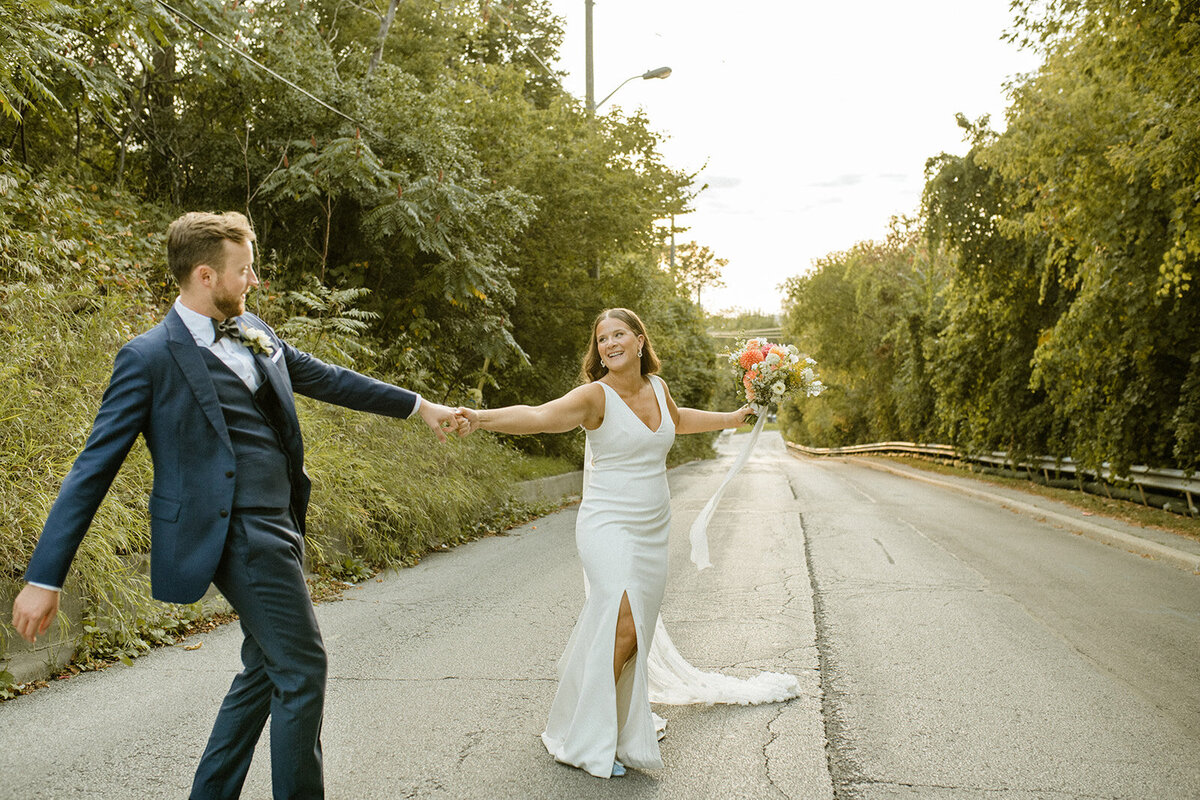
[[161, 389]]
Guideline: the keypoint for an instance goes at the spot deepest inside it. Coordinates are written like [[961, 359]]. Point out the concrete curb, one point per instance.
[[1100, 533], [552, 489]]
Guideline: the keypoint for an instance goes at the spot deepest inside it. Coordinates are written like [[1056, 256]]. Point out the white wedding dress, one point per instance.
[[621, 532]]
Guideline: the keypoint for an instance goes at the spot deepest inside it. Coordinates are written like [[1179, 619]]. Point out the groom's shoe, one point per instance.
[[618, 769]]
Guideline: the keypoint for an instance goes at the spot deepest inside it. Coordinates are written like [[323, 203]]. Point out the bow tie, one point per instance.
[[227, 328]]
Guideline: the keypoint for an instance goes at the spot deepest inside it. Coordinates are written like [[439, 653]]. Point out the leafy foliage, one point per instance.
[[695, 267], [1067, 321], [869, 317]]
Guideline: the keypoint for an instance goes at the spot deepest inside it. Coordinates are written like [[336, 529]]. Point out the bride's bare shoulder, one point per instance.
[[591, 396]]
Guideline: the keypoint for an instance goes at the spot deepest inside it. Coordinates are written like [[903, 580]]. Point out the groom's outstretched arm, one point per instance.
[[344, 387]]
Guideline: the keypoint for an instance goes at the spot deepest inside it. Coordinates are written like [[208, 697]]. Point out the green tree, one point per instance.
[[1104, 143], [1000, 301], [696, 266], [868, 316]]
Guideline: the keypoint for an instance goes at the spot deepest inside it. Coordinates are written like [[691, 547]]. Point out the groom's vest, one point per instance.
[[261, 480]]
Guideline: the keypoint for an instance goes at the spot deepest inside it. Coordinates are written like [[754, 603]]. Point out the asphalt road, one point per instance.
[[968, 651], [949, 647], [441, 675]]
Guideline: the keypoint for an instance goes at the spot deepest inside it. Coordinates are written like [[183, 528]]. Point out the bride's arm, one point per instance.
[[583, 405], [693, 420]]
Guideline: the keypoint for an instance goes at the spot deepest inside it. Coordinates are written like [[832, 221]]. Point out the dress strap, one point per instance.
[[659, 393]]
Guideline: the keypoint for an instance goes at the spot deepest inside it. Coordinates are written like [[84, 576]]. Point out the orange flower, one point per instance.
[[751, 357]]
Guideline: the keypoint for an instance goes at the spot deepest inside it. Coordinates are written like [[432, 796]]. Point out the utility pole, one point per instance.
[[588, 71], [672, 242]]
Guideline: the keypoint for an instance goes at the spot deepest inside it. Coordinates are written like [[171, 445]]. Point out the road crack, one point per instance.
[[844, 773]]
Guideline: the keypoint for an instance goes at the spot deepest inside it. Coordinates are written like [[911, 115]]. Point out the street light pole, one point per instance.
[[589, 72], [589, 68], [592, 105]]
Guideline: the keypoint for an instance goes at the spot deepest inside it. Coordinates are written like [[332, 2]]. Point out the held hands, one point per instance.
[[442, 420], [474, 423], [33, 611]]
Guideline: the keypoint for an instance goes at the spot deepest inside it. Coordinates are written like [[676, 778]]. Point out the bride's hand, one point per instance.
[[740, 415]]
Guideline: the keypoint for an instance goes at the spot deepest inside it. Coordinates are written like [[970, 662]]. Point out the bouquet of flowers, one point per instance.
[[772, 372]]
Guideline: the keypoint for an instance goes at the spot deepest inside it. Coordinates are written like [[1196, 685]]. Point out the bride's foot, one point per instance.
[[618, 769]]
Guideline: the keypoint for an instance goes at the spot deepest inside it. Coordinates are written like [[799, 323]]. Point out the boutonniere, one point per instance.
[[258, 341]]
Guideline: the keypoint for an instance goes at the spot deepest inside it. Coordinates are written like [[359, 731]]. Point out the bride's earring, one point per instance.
[[639, 353]]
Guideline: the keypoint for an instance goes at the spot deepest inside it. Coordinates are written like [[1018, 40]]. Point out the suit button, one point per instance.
[[224, 513], [229, 474]]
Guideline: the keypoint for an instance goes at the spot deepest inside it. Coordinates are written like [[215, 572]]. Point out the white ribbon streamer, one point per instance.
[[699, 533]]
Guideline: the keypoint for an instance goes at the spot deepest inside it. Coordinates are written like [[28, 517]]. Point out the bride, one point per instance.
[[618, 656]]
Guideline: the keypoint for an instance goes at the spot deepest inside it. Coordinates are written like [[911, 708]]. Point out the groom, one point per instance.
[[211, 390]]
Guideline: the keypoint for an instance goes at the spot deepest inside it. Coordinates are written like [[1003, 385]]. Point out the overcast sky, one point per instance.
[[814, 119]]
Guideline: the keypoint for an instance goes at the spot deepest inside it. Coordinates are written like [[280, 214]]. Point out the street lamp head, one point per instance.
[[661, 72]]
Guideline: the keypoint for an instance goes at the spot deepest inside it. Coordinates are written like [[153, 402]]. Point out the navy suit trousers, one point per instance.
[[261, 575]]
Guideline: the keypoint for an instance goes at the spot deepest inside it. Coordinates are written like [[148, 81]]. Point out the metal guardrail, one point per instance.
[[769, 333], [1141, 478]]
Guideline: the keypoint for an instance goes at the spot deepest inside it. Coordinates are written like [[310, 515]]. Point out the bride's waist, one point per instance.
[[624, 477]]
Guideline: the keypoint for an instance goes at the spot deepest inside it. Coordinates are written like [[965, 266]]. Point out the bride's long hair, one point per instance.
[[593, 367]]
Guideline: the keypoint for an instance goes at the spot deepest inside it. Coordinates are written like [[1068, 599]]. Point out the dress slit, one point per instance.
[[637, 638]]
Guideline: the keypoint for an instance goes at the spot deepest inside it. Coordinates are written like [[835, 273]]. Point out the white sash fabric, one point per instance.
[[699, 532]]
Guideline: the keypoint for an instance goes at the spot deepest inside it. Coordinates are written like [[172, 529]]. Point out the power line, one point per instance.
[[520, 40], [265, 68]]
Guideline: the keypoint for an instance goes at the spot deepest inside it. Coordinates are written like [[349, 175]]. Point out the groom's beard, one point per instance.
[[228, 303]]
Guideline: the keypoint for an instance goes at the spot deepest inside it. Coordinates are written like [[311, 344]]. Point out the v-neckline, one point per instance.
[[661, 413]]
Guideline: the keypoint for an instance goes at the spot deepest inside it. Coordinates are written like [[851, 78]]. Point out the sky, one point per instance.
[[811, 121]]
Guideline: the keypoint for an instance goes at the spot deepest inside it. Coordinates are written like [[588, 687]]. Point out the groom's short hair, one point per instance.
[[199, 237]]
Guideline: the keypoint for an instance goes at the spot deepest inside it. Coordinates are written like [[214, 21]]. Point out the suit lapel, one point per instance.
[[278, 383], [267, 367], [186, 353]]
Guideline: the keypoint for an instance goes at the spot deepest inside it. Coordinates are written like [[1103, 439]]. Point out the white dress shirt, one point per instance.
[[232, 353]]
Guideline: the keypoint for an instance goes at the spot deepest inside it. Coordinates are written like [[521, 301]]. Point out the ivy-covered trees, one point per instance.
[[1070, 324]]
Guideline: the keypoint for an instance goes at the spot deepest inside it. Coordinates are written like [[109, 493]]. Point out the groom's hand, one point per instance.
[[442, 419], [33, 611]]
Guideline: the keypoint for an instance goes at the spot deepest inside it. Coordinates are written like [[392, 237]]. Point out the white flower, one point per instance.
[[773, 359], [258, 340], [778, 388], [794, 359], [807, 375], [791, 348]]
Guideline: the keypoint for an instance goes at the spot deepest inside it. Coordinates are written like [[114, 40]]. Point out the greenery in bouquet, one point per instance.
[[771, 373]]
